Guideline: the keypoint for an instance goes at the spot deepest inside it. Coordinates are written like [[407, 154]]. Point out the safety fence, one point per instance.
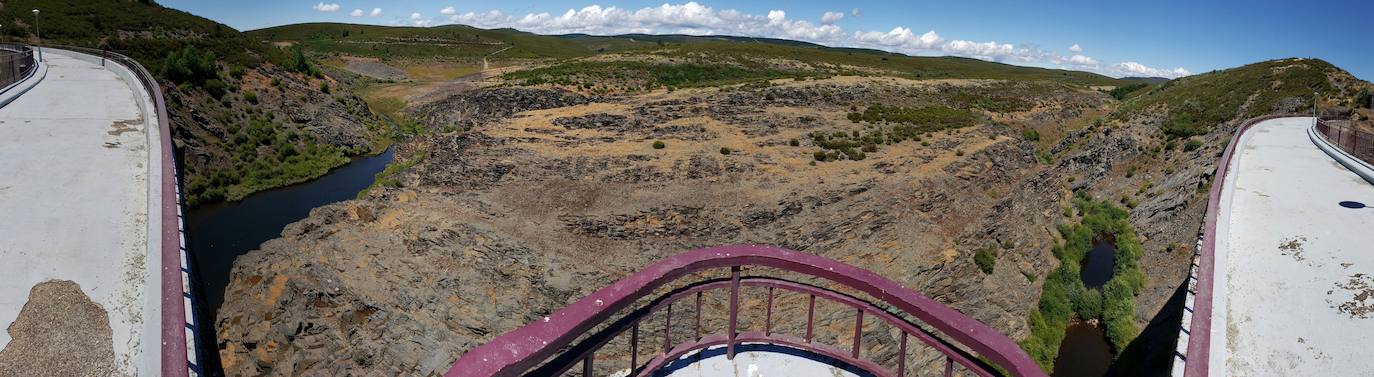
[[1350, 138], [16, 63], [592, 332]]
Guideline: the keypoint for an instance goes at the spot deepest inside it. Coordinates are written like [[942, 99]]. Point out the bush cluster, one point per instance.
[[986, 258], [190, 66], [929, 117]]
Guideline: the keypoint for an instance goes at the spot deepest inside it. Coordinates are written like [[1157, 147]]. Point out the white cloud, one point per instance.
[[696, 19], [418, 19], [830, 17], [448, 11], [856, 13], [376, 12], [1075, 49], [1140, 70], [331, 7], [356, 13]]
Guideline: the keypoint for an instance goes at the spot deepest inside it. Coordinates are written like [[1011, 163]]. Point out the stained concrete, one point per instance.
[[1294, 289], [74, 190]]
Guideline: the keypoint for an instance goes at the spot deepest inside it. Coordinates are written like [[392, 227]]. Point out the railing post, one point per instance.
[[949, 366], [667, 326], [734, 312], [634, 347], [858, 332], [901, 356], [587, 364], [768, 318], [698, 327], [810, 315]]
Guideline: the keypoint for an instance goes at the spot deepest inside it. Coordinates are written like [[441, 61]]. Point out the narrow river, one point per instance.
[[1084, 351], [220, 232]]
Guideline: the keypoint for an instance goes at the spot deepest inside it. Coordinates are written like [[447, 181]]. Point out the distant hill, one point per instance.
[[466, 42]]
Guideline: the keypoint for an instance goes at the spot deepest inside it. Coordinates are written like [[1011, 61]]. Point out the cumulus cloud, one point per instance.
[[449, 11], [420, 20], [856, 13], [1140, 70], [376, 12], [331, 7], [831, 17], [1075, 49], [356, 13], [696, 19]]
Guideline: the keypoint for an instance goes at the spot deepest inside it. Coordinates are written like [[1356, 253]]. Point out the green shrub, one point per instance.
[[1192, 145], [986, 258], [324, 87], [1031, 135], [658, 144], [1130, 171], [1364, 99], [250, 97], [1088, 304], [190, 66], [793, 142], [215, 88], [725, 151]]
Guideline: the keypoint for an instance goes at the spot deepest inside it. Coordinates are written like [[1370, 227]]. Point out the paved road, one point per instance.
[[74, 191], [1294, 289]]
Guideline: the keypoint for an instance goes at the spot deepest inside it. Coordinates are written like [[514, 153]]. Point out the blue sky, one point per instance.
[[1161, 38]]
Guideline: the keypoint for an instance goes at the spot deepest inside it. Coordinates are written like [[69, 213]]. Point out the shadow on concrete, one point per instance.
[[1152, 353]]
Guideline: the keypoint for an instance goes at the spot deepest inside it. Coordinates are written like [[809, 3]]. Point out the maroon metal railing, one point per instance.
[[16, 63], [547, 347], [1347, 137]]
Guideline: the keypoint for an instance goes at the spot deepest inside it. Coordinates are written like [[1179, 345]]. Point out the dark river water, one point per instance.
[[1084, 352], [1099, 265], [220, 232]]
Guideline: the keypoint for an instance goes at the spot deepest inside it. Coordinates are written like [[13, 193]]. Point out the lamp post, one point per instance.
[[39, 33]]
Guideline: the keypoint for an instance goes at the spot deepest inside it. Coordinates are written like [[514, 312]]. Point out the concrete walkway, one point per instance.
[[74, 191], [1294, 287], [750, 362]]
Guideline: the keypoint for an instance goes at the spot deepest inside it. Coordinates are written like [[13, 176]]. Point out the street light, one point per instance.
[[39, 33]]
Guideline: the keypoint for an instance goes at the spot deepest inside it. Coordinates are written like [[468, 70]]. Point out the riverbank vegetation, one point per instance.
[[1064, 296]]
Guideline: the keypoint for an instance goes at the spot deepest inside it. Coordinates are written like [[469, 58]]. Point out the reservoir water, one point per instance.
[[218, 233]]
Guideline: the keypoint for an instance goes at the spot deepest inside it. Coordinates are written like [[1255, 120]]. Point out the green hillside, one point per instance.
[[141, 29], [1197, 103]]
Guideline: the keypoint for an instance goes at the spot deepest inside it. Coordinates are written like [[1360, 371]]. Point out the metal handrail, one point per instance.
[[1351, 139], [521, 351], [16, 65]]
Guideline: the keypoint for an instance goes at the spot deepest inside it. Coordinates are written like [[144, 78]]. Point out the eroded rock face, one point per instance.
[[539, 206], [60, 332]]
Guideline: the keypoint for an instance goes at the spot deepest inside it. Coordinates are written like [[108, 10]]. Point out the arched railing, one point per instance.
[[547, 347]]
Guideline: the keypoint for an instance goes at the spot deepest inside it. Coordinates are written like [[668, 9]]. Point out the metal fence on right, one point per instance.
[[1353, 140], [16, 63]]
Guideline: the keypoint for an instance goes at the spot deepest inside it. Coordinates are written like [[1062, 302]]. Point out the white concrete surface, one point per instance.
[[1294, 288], [74, 190], [756, 364]]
